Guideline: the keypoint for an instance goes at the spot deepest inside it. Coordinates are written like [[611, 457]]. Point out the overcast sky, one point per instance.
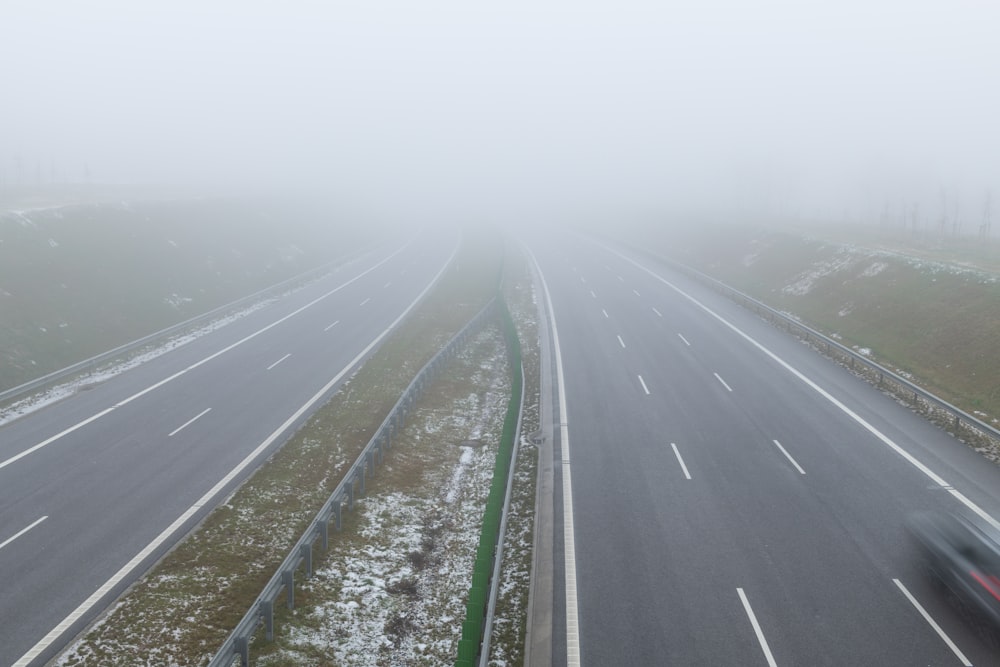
[[818, 108]]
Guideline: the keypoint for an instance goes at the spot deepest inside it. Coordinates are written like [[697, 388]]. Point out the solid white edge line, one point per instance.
[[789, 457], [677, 453], [930, 621], [756, 628], [167, 533], [719, 378], [279, 361], [189, 422], [332, 325], [643, 383], [681, 336], [621, 342], [912, 460], [157, 385], [569, 539], [21, 532]]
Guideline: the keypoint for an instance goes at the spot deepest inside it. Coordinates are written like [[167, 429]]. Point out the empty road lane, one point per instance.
[[725, 495]]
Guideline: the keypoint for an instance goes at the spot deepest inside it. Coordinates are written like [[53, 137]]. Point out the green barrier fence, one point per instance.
[[476, 607]]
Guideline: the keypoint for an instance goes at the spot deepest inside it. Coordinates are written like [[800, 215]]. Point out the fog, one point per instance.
[[517, 110]]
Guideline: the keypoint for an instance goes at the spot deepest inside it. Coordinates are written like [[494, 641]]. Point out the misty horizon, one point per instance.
[[846, 111]]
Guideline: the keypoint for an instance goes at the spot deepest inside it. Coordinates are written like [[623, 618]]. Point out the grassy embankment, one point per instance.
[[929, 309], [185, 607], [78, 280]]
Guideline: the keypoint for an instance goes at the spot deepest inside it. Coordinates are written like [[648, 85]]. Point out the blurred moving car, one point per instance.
[[964, 552]]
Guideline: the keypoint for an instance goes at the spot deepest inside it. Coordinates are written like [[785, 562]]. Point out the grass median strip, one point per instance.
[[182, 610], [391, 589]]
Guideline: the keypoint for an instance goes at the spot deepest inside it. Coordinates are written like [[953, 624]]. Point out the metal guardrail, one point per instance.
[[89, 365], [940, 411], [237, 645]]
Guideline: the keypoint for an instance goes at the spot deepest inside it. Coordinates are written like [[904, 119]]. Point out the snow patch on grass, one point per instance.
[[805, 281], [394, 592], [874, 269]]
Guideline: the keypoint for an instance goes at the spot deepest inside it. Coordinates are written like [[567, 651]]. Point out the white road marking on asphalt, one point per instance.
[[620, 341], [332, 325], [756, 628], [279, 361], [21, 532], [658, 313], [681, 336], [719, 378], [592, 294], [960, 497], [189, 422], [644, 387], [789, 456], [620, 279], [386, 286], [933, 624], [157, 385], [861, 421], [582, 279], [605, 313], [636, 292], [569, 540], [178, 523], [365, 301], [677, 453]]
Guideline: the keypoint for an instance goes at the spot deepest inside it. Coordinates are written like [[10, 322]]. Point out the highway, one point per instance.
[[94, 489], [724, 495]]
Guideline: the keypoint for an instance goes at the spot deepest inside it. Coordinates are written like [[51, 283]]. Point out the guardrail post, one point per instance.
[[267, 609], [243, 649], [324, 532], [370, 463], [288, 577], [306, 551], [361, 480], [350, 494], [336, 514]]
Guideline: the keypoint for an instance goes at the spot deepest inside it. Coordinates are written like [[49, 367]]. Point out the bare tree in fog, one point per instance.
[[943, 222], [984, 228]]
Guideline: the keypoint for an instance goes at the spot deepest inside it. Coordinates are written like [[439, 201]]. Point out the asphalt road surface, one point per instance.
[[732, 497], [95, 488]]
